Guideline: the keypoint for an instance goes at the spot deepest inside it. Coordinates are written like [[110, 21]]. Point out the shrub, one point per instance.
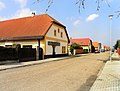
[[74, 46], [117, 45]]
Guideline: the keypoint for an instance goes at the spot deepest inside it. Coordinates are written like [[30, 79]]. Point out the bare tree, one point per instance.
[[80, 3]]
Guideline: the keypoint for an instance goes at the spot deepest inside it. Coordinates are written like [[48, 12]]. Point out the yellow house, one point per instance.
[[85, 43], [39, 31], [96, 45]]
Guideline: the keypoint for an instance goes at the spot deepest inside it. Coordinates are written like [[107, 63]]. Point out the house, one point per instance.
[[39, 31], [96, 45], [106, 48], [85, 43]]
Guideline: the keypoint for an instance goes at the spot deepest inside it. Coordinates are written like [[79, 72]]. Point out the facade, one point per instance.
[[106, 48], [96, 45], [40, 31], [85, 43]]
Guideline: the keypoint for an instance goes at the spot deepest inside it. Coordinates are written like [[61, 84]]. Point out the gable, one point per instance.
[[59, 29]]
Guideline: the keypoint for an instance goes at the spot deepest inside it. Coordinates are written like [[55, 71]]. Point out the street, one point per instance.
[[74, 74]]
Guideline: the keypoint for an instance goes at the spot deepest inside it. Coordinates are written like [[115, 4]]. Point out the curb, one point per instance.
[[41, 62]]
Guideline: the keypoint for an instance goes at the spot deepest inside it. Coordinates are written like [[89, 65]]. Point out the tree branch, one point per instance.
[[50, 2], [80, 3]]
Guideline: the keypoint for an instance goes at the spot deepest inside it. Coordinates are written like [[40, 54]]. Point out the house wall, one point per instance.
[[62, 40], [87, 47], [96, 48], [34, 43], [2, 44], [58, 49]]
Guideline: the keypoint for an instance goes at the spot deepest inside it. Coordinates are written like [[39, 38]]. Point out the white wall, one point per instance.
[[58, 49], [50, 37], [2, 43], [50, 33], [34, 43]]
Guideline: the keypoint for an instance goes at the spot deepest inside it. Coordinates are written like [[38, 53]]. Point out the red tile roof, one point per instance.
[[28, 26], [95, 44], [81, 41]]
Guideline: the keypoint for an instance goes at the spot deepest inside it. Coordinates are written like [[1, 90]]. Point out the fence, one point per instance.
[[27, 54], [8, 54], [21, 54], [79, 51]]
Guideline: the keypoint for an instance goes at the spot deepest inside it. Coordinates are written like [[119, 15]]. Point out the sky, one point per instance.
[[89, 23]]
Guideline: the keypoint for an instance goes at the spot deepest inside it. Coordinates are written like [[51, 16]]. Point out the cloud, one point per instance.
[[92, 17], [24, 12], [76, 23], [2, 5], [22, 3], [2, 18]]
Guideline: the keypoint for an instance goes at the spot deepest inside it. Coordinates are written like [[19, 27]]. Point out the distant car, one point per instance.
[[97, 51]]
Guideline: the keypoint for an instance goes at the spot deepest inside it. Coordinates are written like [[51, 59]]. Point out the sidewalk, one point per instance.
[[23, 64], [109, 78]]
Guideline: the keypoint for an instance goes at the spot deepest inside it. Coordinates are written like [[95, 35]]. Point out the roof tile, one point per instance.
[[95, 44], [81, 41], [27, 26]]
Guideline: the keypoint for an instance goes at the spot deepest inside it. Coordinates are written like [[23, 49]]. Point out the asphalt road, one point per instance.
[[75, 74]]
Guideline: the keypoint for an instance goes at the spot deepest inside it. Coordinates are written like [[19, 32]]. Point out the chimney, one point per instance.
[[33, 13]]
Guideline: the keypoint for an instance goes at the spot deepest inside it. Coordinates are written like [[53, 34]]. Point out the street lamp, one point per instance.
[[110, 16]]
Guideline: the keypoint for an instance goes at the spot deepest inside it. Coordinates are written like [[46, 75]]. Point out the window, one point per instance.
[[27, 46], [61, 34], [54, 32], [63, 49], [58, 30]]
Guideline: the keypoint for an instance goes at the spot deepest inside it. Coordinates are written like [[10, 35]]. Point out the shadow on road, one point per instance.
[[88, 84]]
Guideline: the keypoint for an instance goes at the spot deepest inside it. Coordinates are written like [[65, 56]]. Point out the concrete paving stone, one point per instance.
[[109, 79], [106, 85]]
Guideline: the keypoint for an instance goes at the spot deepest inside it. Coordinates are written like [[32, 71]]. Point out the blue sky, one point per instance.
[[89, 23]]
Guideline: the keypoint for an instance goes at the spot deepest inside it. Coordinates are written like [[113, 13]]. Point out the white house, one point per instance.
[[39, 31]]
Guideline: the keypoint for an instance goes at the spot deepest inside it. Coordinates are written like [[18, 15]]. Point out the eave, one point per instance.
[[23, 38]]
